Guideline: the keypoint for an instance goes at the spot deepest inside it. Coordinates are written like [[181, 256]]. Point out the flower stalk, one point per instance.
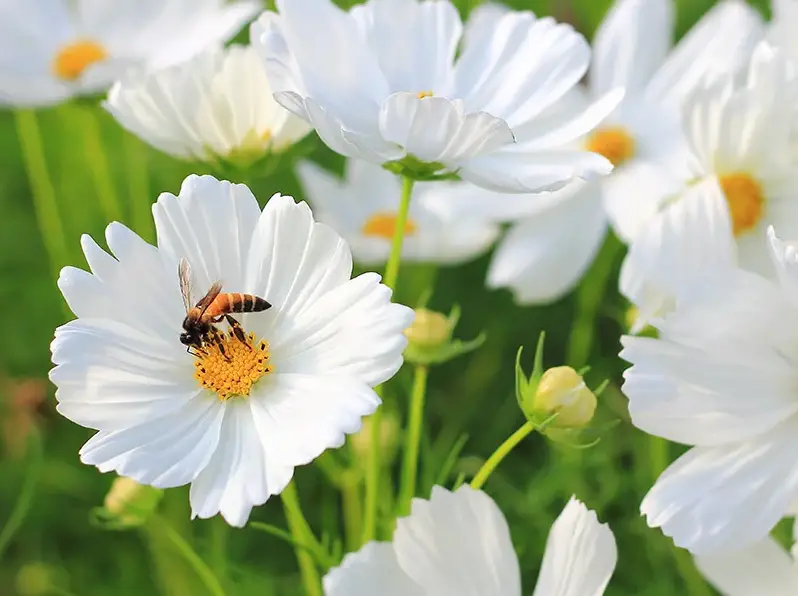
[[414, 425], [498, 456], [302, 534]]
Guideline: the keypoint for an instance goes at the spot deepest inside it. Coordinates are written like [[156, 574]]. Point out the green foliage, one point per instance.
[[470, 403]]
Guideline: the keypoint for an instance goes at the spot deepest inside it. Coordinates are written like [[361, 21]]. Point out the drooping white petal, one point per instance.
[[718, 499], [762, 568], [165, 452], [630, 44], [544, 256], [580, 555], [785, 261], [371, 570], [458, 543]]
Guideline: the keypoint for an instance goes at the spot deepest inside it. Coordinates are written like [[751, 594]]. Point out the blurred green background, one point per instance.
[[52, 548]]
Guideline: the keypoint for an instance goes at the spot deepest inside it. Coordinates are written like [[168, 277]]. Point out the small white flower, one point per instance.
[[217, 105], [722, 377], [233, 423], [762, 569], [459, 543], [741, 139], [555, 239], [56, 49], [362, 208], [388, 85]]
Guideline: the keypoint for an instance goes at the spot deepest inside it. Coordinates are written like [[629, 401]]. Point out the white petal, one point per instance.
[[535, 171], [111, 375], [686, 239], [717, 44], [544, 256], [210, 223], [166, 452], [299, 416], [242, 472], [630, 44], [718, 499], [458, 543], [580, 555], [700, 397], [785, 260], [763, 568], [371, 570], [353, 330], [435, 129]]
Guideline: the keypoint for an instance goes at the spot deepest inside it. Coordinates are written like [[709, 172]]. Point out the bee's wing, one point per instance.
[[184, 274], [206, 301]]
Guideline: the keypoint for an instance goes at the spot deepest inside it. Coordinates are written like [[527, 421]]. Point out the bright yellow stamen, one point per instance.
[[423, 94], [614, 143], [745, 200], [230, 367], [383, 225], [75, 58]]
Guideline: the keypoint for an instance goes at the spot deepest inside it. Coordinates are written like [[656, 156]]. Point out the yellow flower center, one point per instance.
[[423, 94], [383, 225], [613, 142], [230, 367], [745, 200], [75, 58]]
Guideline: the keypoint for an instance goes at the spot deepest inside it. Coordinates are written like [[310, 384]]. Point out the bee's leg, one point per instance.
[[217, 338], [235, 329]]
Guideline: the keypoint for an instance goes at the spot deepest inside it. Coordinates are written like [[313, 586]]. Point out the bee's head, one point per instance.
[[186, 338]]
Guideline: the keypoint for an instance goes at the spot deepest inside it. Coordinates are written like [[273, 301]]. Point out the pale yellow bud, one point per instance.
[[630, 316], [129, 503], [389, 439], [429, 330], [34, 579], [563, 390]]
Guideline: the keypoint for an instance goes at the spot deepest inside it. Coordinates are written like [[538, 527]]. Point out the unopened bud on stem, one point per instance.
[[429, 330], [562, 390]]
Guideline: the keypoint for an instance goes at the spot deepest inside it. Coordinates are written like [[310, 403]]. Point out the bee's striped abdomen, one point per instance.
[[230, 302]]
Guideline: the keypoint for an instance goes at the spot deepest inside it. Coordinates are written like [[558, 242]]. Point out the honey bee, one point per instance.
[[199, 328]]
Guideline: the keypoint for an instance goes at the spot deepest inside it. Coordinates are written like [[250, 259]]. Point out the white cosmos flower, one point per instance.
[[362, 208], [554, 239], [217, 105], [484, 113], [56, 49], [762, 569], [459, 543], [233, 429], [741, 138], [722, 377]]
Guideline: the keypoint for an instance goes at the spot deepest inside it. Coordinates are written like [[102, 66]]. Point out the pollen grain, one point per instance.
[[383, 225], [72, 60], [423, 94], [745, 200], [230, 367], [615, 143]]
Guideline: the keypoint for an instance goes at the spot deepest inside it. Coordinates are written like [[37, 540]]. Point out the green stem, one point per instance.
[[415, 420], [496, 458], [26, 492], [391, 276], [589, 297], [353, 507], [100, 170], [209, 580], [218, 551], [44, 201], [302, 534], [138, 177], [659, 457]]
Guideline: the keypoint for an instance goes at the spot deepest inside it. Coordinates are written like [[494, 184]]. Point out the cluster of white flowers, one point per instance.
[[687, 153]]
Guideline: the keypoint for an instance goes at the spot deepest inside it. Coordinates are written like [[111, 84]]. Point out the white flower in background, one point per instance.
[[741, 137], [233, 420], [722, 377], [217, 105], [387, 85], [56, 49], [362, 208], [762, 569], [459, 543], [555, 238]]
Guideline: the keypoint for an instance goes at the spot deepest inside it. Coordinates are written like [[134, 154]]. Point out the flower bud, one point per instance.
[[129, 504], [389, 439], [562, 390], [429, 330], [35, 579]]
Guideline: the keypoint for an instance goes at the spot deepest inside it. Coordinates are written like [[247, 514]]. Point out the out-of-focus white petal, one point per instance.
[[580, 555], [762, 568], [371, 570]]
